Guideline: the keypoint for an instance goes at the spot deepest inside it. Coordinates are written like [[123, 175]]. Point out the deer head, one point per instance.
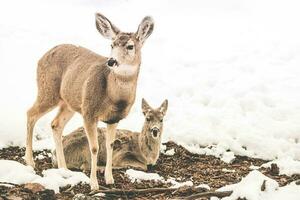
[[154, 119], [126, 47]]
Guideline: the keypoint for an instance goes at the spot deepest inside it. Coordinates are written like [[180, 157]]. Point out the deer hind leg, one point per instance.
[[63, 116], [109, 139], [90, 127], [38, 109]]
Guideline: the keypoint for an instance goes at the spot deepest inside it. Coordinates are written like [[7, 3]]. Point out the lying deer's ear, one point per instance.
[[105, 27], [145, 107], [164, 107], [145, 29]]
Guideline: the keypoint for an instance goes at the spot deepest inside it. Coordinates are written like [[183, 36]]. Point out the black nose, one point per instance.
[[155, 132], [111, 62]]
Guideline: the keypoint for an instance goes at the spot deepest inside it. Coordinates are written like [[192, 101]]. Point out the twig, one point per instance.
[[218, 194], [7, 183]]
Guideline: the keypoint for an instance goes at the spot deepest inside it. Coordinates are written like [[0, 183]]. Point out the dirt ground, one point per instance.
[[201, 169]]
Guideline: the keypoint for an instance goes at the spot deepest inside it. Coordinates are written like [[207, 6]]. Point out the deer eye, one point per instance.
[[161, 120], [129, 47]]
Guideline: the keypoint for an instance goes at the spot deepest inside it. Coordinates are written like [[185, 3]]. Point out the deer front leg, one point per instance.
[[109, 139], [90, 127]]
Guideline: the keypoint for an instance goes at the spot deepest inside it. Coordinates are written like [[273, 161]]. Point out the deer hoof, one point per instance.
[[94, 185], [29, 161], [109, 180]]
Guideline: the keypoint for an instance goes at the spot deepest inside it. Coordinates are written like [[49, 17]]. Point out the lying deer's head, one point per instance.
[[126, 47], [154, 118]]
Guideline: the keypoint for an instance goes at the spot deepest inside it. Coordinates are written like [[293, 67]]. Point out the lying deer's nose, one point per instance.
[[111, 62], [155, 132]]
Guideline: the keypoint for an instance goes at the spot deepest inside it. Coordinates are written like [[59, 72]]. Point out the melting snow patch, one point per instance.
[[135, 175], [163, 148], [55, 178], [40, 157], [170, 152], [205, 186], [228, 157], [176, 184], [286, 166], [253, 167], [15, 172], [228, 170], [251, 188]]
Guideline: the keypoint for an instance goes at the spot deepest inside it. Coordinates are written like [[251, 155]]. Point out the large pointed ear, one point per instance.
[[145, 29], [145, 107], [105, 27], [164, 107]]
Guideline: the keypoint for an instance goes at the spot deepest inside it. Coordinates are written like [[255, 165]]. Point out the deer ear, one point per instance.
[[105, 27], [164, 107], [145, 29], [145, 107]]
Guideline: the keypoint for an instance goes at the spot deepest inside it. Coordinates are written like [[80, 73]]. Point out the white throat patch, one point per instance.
[[125, 70]]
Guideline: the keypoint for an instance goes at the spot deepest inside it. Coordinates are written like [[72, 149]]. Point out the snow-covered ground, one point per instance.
[[230, 69]]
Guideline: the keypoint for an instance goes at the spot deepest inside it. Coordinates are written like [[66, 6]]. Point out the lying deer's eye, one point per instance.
[[129, 47], [161, 120]]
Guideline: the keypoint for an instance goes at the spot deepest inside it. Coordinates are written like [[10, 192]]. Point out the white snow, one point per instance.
[[55, 178], [253, 167], [228, 170], [286, 166], [15, 172], [136, 175], [250, 188], [205, 186], [170, 152], [176, 184]]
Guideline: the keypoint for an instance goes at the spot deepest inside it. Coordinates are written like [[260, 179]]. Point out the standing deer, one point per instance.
[[78, 80], [130, 149]]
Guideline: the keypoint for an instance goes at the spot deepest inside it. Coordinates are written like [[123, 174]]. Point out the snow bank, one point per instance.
[[56, 178], [15, 172], [230, 69], [250, 188]]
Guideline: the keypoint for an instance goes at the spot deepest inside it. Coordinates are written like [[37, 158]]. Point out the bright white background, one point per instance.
[[230, 69]]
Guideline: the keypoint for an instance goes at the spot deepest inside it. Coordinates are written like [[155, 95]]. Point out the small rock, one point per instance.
[[298, 182], [274, 169], [34, 187], [263, 186]]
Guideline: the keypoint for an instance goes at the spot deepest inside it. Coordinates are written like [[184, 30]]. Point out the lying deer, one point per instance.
[[130, 149], [78, 80]]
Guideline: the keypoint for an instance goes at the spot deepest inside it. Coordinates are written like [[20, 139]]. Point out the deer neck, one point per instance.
[[122, 86], [150, 147]]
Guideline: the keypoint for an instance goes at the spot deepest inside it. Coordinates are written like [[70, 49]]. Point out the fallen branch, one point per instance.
[[133, 191], [163, 190], [218, 194]]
